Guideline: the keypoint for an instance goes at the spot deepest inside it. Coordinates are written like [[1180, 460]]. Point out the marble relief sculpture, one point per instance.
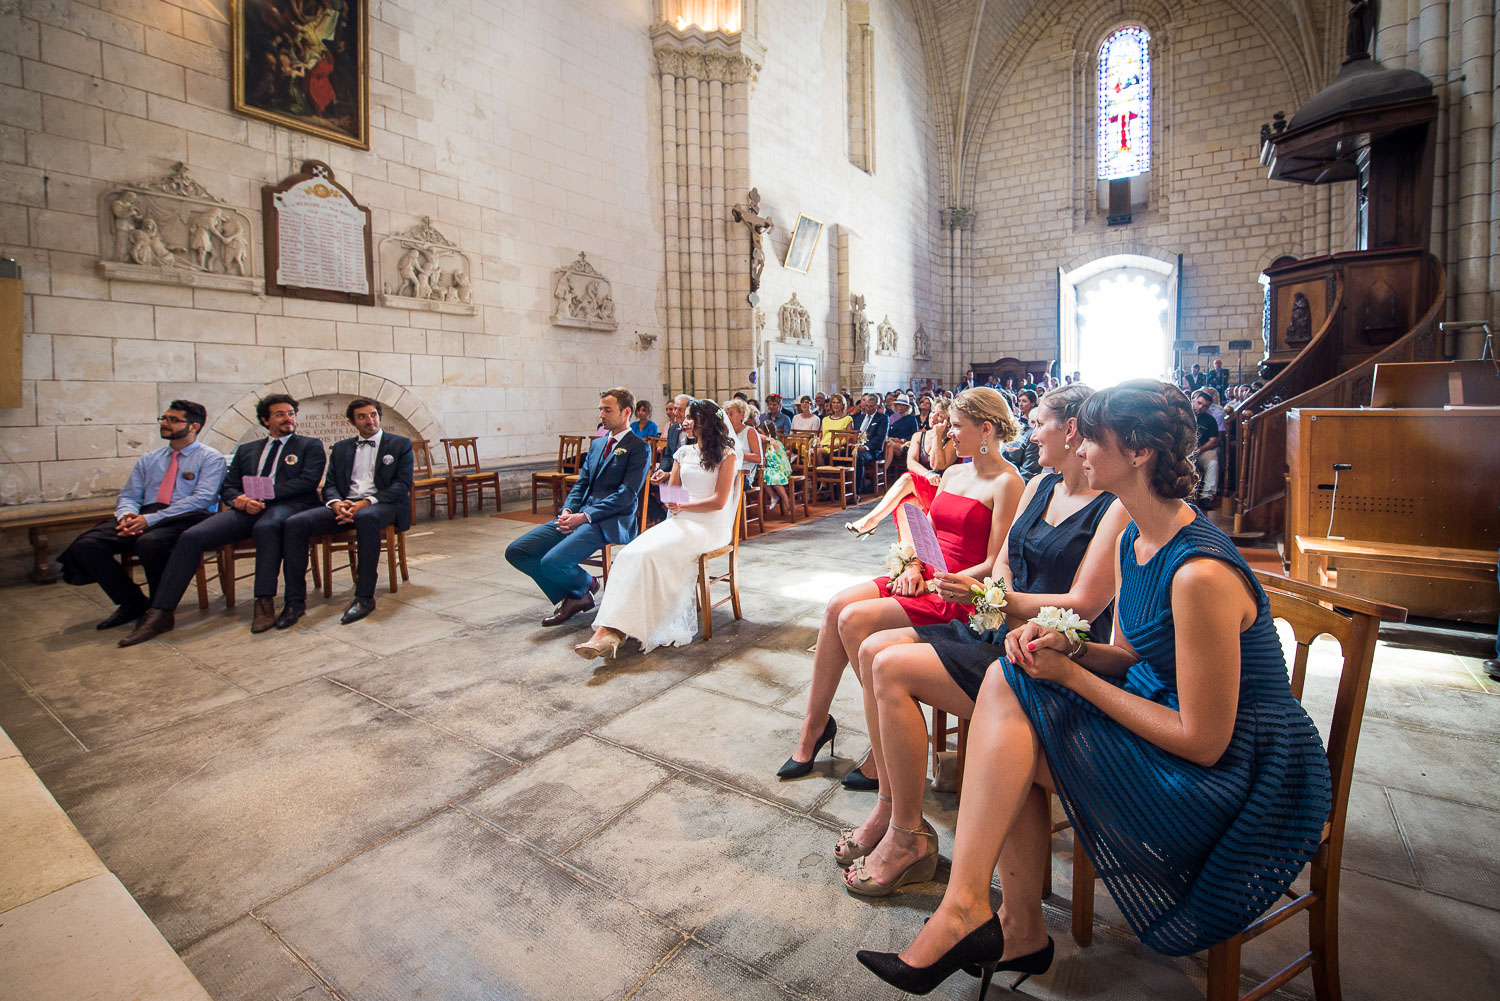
[[924, 342], [423, 269], [582, 297], [886, 338], [794, 322], [173, 231]]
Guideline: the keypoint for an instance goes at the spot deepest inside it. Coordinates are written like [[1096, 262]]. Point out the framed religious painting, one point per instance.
[[799, 253], [304, 64]]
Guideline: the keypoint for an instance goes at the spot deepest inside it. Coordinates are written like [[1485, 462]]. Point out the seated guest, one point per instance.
[[775, 415], [837, 419], [368, 488], [870, 421], [970, 515], [1022, 453], [806, 419], [820, 406], [903, 427], [776, 470], [676, 407], [924, 412], [169, 491], [747, 439], [1193, 777], [643, 426], [295, 465], [601, 507], [1059, 552], [1207, 458]]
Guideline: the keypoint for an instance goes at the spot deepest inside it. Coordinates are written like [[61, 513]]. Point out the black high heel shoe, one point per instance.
[[982, 948], [794, 769]]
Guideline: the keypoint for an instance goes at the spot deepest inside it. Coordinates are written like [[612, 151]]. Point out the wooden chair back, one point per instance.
[[462, 455], [570, 452], [706, 604], [425, 483], [798, 444], [842, 446], [421, 459], [392, 547]]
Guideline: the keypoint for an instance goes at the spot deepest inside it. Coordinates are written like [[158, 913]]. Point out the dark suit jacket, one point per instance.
[[874, 426], [609, 487], [669, 450], [299, 467], [393, 474]]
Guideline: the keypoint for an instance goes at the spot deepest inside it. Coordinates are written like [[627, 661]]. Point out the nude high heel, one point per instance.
[[606, 648]]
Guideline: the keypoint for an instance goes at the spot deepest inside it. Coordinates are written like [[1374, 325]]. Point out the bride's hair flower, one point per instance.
[[988, 599]]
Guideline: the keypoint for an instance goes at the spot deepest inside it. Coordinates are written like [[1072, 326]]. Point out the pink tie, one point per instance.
[[168, 481]]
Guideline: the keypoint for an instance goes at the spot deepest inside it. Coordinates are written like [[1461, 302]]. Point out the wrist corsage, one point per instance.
[[902, 555], [988, 599], [1065, 621]]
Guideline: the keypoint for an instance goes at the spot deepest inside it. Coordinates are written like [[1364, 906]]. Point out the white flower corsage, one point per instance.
[[902, 555], [1066, 621], [988, 599], [618, 451]]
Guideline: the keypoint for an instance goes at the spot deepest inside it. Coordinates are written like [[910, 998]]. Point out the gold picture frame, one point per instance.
[[804, 243], [310, 74]]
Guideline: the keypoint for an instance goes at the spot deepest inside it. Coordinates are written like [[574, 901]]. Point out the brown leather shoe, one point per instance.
[[265, 615], [153, 625], [567, 608]]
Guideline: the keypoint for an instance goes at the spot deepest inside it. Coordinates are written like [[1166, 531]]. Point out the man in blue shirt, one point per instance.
[[170, 490], [775, 416]]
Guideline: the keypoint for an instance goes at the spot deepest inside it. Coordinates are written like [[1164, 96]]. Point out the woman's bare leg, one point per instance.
[[1000, 805], [874, 826], [829, 661], [898, 492]]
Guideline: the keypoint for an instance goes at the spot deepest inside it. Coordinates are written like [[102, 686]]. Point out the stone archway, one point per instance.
[[327, 384]]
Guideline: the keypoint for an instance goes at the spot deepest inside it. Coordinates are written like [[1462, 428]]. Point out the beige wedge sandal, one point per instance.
[[858, 882]]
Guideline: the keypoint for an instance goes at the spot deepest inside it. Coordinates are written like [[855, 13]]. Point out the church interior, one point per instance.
[[513, 245]]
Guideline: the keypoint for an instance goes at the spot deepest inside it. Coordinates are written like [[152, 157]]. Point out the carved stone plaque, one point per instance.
[[924, 342], [422, 269], [793, 322], [173, 231], [582, 297], [886, 338], [317, 239]]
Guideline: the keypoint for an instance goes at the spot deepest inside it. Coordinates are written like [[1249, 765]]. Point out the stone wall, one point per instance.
[[525, 133]]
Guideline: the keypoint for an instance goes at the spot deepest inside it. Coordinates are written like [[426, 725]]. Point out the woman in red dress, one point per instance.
[[971, 515]]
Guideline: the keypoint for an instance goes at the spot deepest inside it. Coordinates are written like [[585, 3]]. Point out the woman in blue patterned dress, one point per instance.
[[1194, 780]]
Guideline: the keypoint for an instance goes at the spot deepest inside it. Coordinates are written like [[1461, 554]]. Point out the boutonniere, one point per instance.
[[618, 451], [291, 460]]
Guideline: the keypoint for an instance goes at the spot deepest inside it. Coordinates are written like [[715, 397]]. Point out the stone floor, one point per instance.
[[443, 802]]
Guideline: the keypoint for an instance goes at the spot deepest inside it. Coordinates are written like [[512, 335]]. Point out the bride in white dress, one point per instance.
[[653, 580]]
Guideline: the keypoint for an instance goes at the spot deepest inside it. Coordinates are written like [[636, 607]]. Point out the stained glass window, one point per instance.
[[1125, 104]]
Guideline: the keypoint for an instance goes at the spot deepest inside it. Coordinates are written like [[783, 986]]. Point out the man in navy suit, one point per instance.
[[603, 506], [295, 465], [368, 488], [676, 409], [872, 422]]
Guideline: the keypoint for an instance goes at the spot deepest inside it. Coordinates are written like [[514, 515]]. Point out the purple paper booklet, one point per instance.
[[673, 495], [923, 539], [261, 488]]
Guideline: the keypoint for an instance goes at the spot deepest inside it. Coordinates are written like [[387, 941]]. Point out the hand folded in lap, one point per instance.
[[1040, 652], [567, 521], [909, 583]]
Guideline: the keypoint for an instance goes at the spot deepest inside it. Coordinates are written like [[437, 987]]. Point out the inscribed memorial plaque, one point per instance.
[[317, 239]]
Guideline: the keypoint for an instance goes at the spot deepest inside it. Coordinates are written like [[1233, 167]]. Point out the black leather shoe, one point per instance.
[[567, 608], [122, 615], [858, 781], [794, 769], [1491, 667], [358, 609], [290, 613]]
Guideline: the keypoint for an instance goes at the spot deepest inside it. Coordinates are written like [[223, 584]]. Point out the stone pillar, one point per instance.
[[1475, 169], [1432, 62], [705, 88], [958, 223]]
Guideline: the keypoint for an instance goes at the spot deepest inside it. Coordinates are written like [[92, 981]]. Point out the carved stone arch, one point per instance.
[[939, 94], [232, 424], [1120, 248]]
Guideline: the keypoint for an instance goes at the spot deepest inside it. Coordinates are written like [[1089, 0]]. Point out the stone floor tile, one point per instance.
[[43, 851], [244, 962], [278, 658], [30, 610], [553, 801], [694, 973], [36, 731], [453, 909], [1373, 842], [391, 628], [77, 652], [1445, 765], [1456, 847], [734, 742], [244, 802]]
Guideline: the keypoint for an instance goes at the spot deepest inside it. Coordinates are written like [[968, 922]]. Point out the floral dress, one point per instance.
[[778, 468]]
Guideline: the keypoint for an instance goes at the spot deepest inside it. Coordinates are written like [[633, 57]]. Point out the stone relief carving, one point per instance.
[[422, 269], [174, 231], [582, 297], [794, 322], [924, 342], [886, 338], [861, 329], [688, 64]]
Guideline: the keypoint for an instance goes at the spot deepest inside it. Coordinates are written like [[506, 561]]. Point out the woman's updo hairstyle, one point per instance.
[[1065, 402], [981, 404], [1145, 413], [711, 431]]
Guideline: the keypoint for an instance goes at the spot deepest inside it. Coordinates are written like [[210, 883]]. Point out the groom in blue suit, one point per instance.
[[603, 507]]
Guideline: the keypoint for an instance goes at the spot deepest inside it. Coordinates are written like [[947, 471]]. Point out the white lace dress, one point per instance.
[[652, 580]]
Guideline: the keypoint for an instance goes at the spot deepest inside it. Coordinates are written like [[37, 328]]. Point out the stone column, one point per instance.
[[705, 88], [958, 223], [1475, 170]]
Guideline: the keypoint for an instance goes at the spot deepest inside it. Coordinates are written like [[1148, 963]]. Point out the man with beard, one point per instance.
[[170, 490]]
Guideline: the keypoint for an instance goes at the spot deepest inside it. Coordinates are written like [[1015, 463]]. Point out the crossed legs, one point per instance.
[[899, 491]]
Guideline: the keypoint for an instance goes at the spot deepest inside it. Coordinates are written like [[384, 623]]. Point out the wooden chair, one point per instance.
[[392, 544], [570, 452], [464, 473], [606, 555], [753, 506], [838, 472], [425, 484], [227, 556], [129, 562], [706, 580], [1354, 623], [798, 447]]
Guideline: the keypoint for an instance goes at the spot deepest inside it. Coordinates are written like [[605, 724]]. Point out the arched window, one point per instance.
[[1124, 126]]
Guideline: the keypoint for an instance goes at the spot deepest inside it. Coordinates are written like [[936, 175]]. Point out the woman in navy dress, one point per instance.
[[1194, 780], [1058, 552]]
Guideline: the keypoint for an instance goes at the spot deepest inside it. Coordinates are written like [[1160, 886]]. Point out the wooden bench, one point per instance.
[[1462, 581], [40, 525]]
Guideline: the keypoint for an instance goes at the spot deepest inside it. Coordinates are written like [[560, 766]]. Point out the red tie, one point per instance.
[[168, 481]]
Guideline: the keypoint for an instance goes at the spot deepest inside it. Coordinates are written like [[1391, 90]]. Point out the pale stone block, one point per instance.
[[89, 358], [205, 326], [426, 370], [232, 425], [463, 372], [25, 414], [94, 402], [20, 482], [134, 69], [216, 398], [445, 342], [138, 133], [395, 367], [236, 302], [64, 231], [65, 48], [36, 356], [219, 363], [390, 394], [61, 117], [86, 318], [28, 444], [364, 337], [299, 386], [21, 108], [349, 383], [152, 295], [84, 477], [315, 309], [23, 185], [323, 382], [154, 361], [229, 157], [60, 82], [87, 441], [183, 52], [76, 276], [219, 442], [295, 332], [370, 385], [138, 439], [305, 360]]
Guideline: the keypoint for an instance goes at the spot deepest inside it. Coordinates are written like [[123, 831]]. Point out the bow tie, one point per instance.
[[366, 441]]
